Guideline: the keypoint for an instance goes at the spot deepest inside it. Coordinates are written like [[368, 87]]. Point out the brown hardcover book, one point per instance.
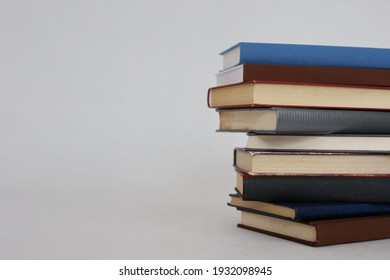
[[322, 232], [305, 74]]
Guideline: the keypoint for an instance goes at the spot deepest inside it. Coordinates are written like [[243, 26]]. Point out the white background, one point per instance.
[[107, 147]]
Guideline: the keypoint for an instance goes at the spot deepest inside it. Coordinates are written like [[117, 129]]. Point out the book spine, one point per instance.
[[305, 74], [316, 189], [353, 230], [306, 55], [313, 121]]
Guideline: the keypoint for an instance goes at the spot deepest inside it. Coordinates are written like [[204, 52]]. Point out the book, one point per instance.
[[304, 74], [304, 121], [306, 211], [321, 188], [265, 162], [330, 142], [284, 94], [319, 232], [307, 55]]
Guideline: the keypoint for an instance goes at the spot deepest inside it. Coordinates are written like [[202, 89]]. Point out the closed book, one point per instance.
[[307, 55], [304, 74], [304, 121], [260, 93], [330, 142], [320, 232], [265, 162], [309, 211], [319, 189]]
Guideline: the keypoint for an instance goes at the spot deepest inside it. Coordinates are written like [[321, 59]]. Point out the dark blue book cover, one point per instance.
[[306, 55], [308, 211], [319, 211]]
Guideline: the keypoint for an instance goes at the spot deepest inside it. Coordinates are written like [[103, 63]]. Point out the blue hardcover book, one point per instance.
[[310, 211], [307, 55]]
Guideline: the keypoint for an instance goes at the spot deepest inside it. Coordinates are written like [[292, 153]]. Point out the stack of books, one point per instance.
[[316, 166]]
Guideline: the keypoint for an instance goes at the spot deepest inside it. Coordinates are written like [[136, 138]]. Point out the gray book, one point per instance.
[[304, 121]]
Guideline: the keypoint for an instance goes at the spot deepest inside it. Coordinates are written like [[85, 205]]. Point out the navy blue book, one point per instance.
[[310, 211], [306, 55], [319, 189]]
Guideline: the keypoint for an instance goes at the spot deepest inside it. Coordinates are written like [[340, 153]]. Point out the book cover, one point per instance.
[[306, 55], [320, 232], [304, 74], [318, 189]]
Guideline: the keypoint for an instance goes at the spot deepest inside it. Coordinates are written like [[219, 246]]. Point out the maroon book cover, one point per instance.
[[307, 74]]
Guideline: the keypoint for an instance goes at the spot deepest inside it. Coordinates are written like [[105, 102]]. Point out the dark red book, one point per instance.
[[308, 163], [304, 74]]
